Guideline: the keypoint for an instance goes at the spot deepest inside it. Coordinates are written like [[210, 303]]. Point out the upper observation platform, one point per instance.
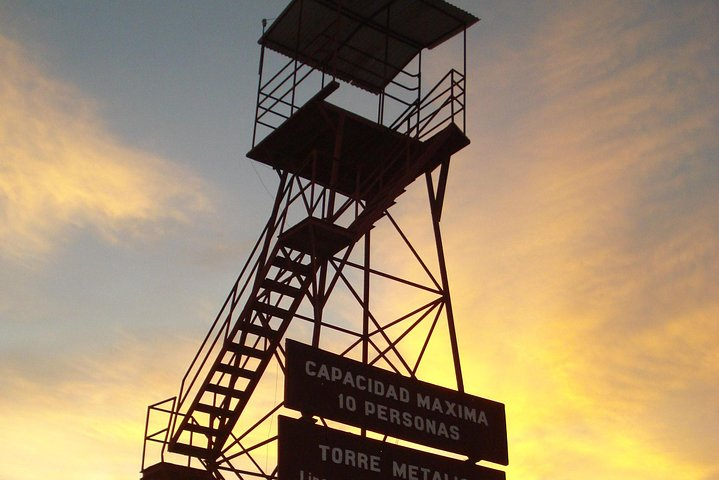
[[375, 45], [366, 43], [349, 154]]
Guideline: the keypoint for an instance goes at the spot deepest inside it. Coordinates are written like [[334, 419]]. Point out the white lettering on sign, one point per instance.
[[350, 458], [452, 409], [406, 471], [409, 420], [368, 384], [356, 381], [309, 476]]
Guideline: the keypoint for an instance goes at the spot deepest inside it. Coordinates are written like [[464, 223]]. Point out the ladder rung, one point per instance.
[[271, 310], [190, 450], [259, 330], [213, 410], [236, 371], [282, 288], [226, 391], [245, 350], [201, 429], [285, 263]]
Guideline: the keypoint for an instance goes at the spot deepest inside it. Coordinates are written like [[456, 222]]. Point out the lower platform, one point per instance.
[[171, 471], [317, 237]]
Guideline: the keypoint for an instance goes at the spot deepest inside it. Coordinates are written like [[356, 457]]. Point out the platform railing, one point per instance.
[[276, 97], [160, 436], [442, 105], [279, 96], [167, 409]]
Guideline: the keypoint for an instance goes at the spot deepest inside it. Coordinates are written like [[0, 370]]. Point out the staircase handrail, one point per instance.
[[215, 333]]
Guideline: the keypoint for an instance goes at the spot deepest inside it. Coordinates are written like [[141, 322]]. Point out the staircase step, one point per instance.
[[245, 350], [235, 371], [260, 330], [212, 410], [282, 288], [271, 310], [296, 267], [190, 450], [226, 391], [201, 429]]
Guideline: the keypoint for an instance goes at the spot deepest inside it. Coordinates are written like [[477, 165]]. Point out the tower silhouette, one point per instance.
[[333, 267]]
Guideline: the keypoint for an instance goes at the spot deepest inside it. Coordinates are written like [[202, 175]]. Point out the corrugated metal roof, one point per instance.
[[363, 42]]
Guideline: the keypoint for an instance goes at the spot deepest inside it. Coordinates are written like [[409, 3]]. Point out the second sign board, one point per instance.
[[311, 452]]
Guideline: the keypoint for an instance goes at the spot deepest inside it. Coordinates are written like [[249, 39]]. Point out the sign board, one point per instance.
[[310, 452], [338, 388]]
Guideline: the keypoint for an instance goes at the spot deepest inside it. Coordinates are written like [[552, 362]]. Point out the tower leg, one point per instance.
[[436, 200]]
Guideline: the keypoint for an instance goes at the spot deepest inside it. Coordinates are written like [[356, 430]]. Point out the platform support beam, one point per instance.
[[436, 200]]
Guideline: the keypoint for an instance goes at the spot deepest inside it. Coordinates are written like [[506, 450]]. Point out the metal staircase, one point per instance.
[[339, 173], [280, 287], [243, 357]]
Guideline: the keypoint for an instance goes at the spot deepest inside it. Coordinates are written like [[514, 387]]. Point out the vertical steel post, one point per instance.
[[436, 209], [259, 86], [419, 94], [464, 80], [365, 300]]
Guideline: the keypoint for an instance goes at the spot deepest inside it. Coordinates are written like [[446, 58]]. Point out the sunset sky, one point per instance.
[[581, 225]]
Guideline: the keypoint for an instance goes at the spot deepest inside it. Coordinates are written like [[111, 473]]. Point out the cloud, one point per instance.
[[61, 170], [593, 290]]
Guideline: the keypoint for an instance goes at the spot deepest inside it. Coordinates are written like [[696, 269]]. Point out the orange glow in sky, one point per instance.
[[581, 226]]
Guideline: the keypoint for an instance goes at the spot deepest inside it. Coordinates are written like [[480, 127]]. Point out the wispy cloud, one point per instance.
[[595, 274], [61, 169]]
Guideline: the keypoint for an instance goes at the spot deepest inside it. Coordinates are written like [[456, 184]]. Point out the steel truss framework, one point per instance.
[[332, 268]]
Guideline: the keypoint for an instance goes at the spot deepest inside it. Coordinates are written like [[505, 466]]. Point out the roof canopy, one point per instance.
[[363, 42]]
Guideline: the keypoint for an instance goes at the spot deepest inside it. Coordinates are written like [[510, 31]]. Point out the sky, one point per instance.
[[581, 225]]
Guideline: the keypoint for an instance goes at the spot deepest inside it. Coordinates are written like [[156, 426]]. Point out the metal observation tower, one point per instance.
[[333, 268]]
